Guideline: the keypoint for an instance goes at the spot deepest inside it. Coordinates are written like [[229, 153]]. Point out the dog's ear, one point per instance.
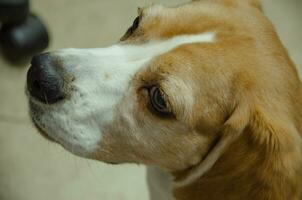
[[274, 127], [231, 130], [271, 128]]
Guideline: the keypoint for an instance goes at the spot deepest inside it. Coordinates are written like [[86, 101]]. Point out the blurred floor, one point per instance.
[[33, 169]]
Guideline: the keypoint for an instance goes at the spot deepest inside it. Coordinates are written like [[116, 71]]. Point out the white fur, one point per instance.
[[102, 76]]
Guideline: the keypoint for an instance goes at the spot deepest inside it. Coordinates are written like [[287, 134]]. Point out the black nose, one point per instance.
[[44, 82]]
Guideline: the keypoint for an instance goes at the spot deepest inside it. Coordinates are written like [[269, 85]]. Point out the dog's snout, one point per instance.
[[44, 81]]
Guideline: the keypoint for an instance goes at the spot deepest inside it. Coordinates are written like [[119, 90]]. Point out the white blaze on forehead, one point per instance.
[[102, 76]]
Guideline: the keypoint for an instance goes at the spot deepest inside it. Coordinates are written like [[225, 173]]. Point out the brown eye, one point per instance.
[[136, 23], [134, 26], [158, 103]]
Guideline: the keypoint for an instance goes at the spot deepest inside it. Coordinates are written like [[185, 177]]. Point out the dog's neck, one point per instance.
[[247, 170]]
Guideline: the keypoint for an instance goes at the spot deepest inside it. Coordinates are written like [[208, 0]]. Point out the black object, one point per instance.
[[43, 81], [25, 39], [21, 34], [13, 11]]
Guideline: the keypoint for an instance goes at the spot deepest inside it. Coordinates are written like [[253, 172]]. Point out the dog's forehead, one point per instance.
[[234, 23], [163, 22], [236, 28]]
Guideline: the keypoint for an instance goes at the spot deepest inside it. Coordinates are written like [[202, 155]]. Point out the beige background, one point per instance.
[[31, 168]]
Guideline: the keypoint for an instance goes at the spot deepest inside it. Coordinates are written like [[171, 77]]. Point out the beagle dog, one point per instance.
[[204, 94]]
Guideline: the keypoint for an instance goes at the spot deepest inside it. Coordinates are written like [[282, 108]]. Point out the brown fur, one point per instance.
[[237, 98], [247, 65]]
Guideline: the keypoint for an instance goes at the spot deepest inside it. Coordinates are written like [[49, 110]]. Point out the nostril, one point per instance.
[[36, 86]]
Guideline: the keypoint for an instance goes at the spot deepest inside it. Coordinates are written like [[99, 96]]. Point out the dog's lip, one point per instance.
[[43, 133], [35, 111]]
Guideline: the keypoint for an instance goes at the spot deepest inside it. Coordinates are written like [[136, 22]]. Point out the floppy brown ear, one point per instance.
[[231, 130], [274, 128]]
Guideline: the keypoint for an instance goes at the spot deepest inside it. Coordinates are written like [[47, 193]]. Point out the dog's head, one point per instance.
[[179, 83]]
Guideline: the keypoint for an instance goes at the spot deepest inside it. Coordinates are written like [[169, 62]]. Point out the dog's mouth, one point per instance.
[[43, 133], [64, 123], [35, 112]]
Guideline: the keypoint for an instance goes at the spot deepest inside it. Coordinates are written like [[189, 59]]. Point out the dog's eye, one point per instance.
[[158, 103], [136, 23], [134, 26]]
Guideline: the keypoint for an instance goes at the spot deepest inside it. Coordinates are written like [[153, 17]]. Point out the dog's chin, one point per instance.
[[74, 151], [51, 129], [47, 137], [34, 114]]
